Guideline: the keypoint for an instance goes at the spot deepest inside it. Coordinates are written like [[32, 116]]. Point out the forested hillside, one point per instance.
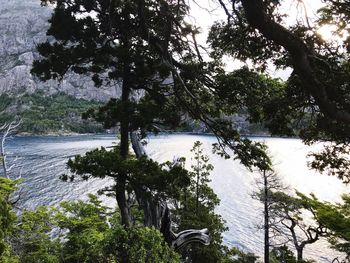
[[41, 114]]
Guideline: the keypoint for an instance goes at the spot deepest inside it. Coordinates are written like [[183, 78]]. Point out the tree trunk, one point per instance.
[[124, 133], [124, 123], [126, 218], [266, 222], [124, 152], [300, 254], [197, 191], [122, 203], [2, 150]]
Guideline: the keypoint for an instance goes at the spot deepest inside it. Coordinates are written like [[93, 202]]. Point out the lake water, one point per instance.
[[43, 159]]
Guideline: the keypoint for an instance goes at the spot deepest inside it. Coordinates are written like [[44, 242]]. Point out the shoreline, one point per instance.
[[68, 134]]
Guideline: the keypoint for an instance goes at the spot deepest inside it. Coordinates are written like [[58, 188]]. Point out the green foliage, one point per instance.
[[263, 98], [283, 254], [290, 213], [137, 42], [164, 180], [129, 24], [171, 181], [143, 43], [336, 218], [5, 101], [150, 109], [82, 231], [197, 203], [236, 39], [235, 255], [139, 245], [31, 241], [334, 160], [84, 227], [7, 218], [43, 114]]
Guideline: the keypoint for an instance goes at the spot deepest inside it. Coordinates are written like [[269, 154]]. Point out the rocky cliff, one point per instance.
[[23, 25]]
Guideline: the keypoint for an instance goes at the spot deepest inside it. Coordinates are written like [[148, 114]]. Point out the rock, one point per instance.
[[23, 25]]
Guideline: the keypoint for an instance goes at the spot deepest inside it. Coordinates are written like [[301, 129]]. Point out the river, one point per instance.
[[41, 160]]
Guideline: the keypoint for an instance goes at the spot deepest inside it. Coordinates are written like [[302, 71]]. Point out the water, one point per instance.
[[43, 159]]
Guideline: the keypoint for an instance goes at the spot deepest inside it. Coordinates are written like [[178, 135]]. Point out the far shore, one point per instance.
[[66, 134]]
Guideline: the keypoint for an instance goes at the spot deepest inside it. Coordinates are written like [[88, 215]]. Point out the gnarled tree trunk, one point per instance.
[[156, 212]]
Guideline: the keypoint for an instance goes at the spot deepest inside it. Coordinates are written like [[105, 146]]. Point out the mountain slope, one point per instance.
[[23, 25], [44, 107]]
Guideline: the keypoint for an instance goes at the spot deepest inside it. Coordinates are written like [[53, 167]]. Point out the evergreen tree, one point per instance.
[[106, 39], [162, 181], [195, 209], [282, 254], [140, 244], [148, 47], [237, 256], [268, 184]]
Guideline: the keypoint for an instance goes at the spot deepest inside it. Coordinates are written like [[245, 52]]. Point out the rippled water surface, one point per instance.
[[43, 159]]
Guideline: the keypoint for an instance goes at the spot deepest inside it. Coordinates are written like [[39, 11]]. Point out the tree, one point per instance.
[[31, 239], [195, 209], [96, 235], [335, 217], [112, 46], [282, 254], [84, 231], [201, 170], [267, 185], [141, 244], [237, 256], [291, 211], [139, 43], [7, 188], [316, 93], [261, 21], [135, 43], [84, 226], [7, 130], [163, 180], [7, 218]]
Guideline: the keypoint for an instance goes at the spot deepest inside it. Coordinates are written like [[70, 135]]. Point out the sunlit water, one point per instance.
[[43, 159]]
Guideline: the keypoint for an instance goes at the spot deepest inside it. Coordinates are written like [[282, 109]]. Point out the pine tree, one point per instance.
[[106, 39], [196, 209], [267, 184]]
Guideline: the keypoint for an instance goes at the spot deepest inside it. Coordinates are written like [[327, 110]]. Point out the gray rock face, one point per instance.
[[23, 25]]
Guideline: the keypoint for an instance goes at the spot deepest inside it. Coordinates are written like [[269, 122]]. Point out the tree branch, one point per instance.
[[301, 56]]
